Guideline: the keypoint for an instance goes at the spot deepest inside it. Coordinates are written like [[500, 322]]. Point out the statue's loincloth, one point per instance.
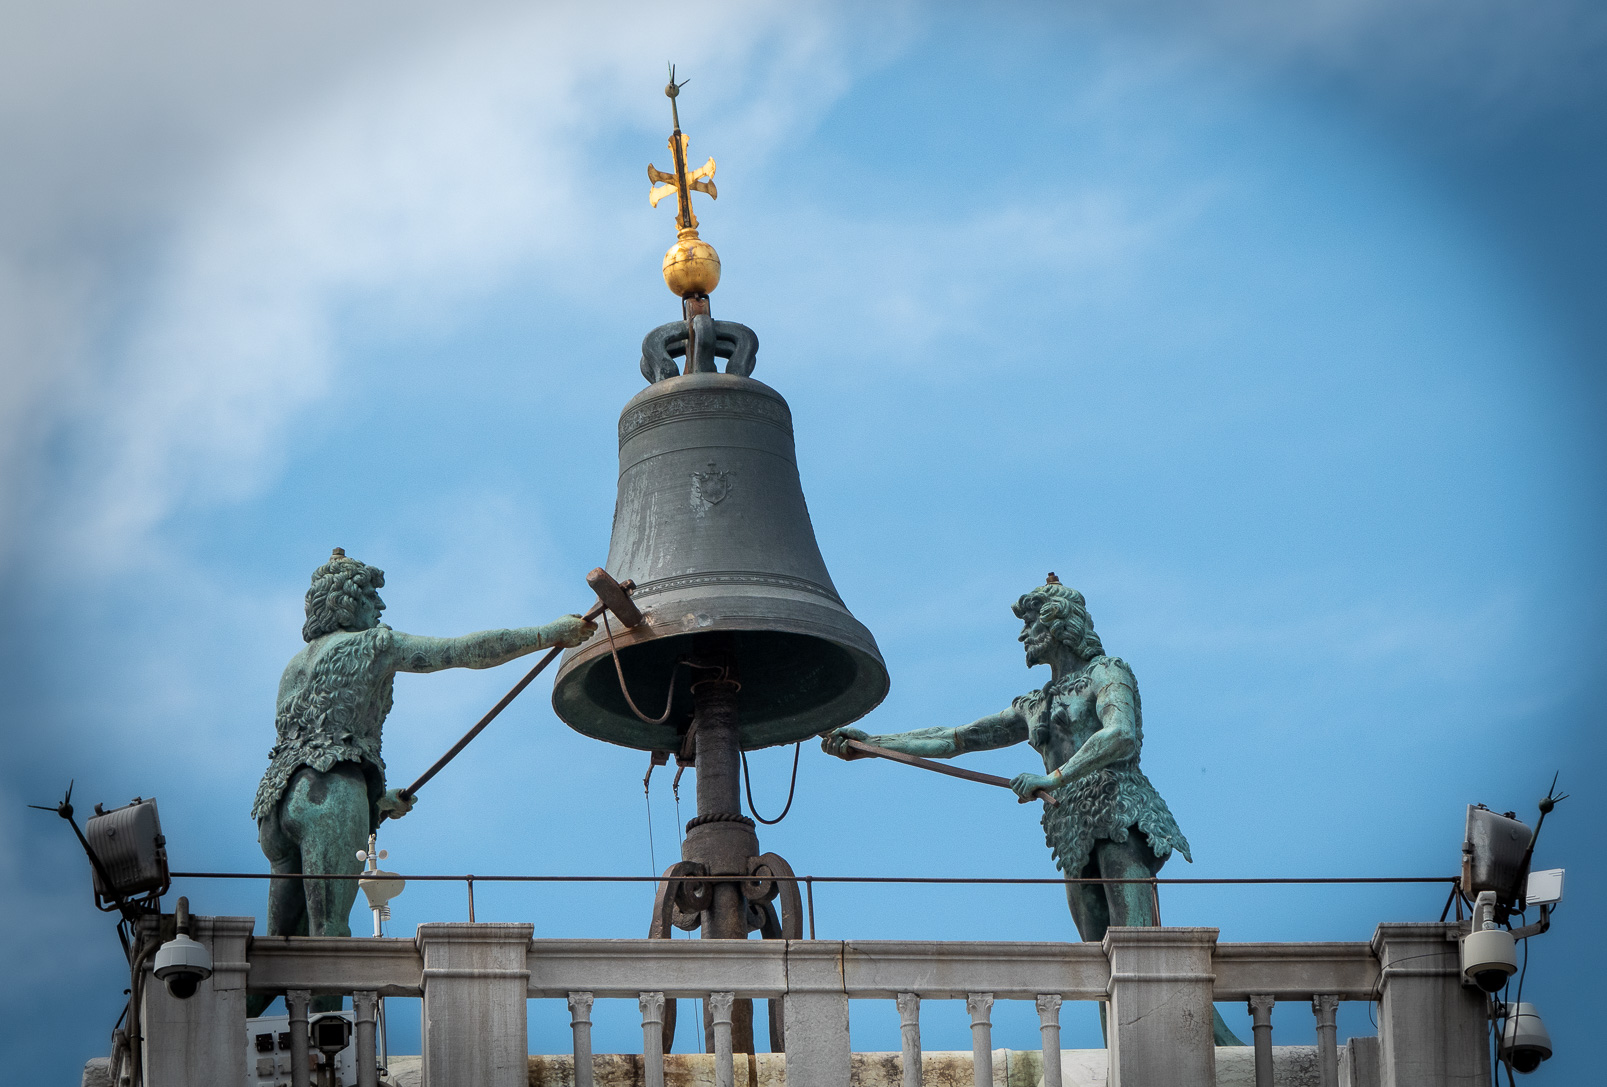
[[336, 716], [321, 754], [1104, 806]]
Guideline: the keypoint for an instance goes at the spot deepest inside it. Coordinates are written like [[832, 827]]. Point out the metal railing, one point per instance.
[[808, 882]]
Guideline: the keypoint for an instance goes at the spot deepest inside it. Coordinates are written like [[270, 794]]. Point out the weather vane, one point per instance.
[[691, 266]]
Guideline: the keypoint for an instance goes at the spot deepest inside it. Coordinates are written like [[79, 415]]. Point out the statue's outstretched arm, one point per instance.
[[984, 734], [485, 648]]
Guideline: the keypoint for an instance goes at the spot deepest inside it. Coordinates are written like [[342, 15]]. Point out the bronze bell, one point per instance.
[[711, 524]]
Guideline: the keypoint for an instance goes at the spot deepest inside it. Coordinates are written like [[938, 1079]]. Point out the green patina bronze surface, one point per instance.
[[324, 790], [1087, 724]]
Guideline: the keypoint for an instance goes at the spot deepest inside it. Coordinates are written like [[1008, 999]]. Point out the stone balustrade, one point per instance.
[[1158, 983]]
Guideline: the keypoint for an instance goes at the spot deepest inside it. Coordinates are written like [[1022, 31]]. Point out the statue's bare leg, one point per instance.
[[1129, 904], [327, 814], [287, 902], [1087, 901], [1133, 904]]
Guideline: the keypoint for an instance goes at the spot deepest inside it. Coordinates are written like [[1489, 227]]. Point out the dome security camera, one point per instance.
[[1489, 953], [181, 963], [1489, 957], [1524, 1040]]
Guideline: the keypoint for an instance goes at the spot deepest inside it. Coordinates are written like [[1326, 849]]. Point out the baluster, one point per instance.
[[296, 1001], [720, 1010], [909, 1021], [580, 1025], [1049, 1026], [652, 1039], [363, 1008], [1261, 1023], [1326, 1009], [980, 1005]]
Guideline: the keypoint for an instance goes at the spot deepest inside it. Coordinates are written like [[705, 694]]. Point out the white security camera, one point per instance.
[[182, 963], [1489, 953], [1524, 1041]]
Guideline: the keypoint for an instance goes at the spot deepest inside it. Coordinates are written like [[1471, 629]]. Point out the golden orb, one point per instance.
[[691, 266]]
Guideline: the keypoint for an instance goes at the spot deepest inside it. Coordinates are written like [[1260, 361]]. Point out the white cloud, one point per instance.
[[418, 173]]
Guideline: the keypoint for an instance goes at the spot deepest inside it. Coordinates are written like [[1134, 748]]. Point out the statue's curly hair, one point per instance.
[[338, 587], [1066, 613]]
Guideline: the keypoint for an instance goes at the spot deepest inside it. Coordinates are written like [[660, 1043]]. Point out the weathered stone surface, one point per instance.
[[1293, 1066], [1359, 1063], [1432, 1030], [200, 1041], [474, 1016], [1160, 1014]]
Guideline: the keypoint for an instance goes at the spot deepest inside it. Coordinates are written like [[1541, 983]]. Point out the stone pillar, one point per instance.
[[652, 1005], [909, 1025], [1049, 1028], [364, 1009], [1160, 1007], [720, 1015], [476, 977], [580, 1027], [1359, 1065], [296, 1003], [816, 1014], [202, 1039], [1432, 1031], [980, 1005], [1326, 1009], [1261, 1024]]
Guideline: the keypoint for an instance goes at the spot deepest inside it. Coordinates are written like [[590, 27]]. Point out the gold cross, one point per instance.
[[682, 183]]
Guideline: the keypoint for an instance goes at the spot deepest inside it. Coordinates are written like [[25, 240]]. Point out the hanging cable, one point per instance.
[[791, 788], [669, 699], [652, 857], [675, 789]]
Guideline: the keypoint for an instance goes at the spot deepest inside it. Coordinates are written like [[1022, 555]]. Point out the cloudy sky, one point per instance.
[[1276, 329]]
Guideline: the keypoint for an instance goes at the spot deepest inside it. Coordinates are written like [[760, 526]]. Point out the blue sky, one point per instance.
[[1276, 331]]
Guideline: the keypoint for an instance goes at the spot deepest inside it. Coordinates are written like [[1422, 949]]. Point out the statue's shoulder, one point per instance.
[[1105, 669], [1028, 702], [338, 647], [374, 638]]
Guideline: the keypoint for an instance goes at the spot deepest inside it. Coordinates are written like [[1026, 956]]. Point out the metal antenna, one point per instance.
[[65, 808], [671, 90]]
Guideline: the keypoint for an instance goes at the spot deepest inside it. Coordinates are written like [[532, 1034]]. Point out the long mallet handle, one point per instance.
[[941, 768], [612, 595]]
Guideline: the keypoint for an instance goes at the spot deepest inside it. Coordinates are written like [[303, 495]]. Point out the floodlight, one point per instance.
[[130, 852], [330, 1033], [1495, 854]]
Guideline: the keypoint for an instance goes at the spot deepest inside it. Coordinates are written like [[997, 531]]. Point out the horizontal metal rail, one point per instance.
[[957, 880]]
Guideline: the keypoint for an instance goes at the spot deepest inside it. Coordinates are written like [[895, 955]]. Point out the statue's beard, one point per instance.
[[1036, 648]]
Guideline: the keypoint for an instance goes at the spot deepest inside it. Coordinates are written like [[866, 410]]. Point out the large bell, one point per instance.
[[711, 525]]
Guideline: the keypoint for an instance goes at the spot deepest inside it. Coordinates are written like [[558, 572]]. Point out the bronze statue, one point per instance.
[[324, 790], [1108, 821]]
